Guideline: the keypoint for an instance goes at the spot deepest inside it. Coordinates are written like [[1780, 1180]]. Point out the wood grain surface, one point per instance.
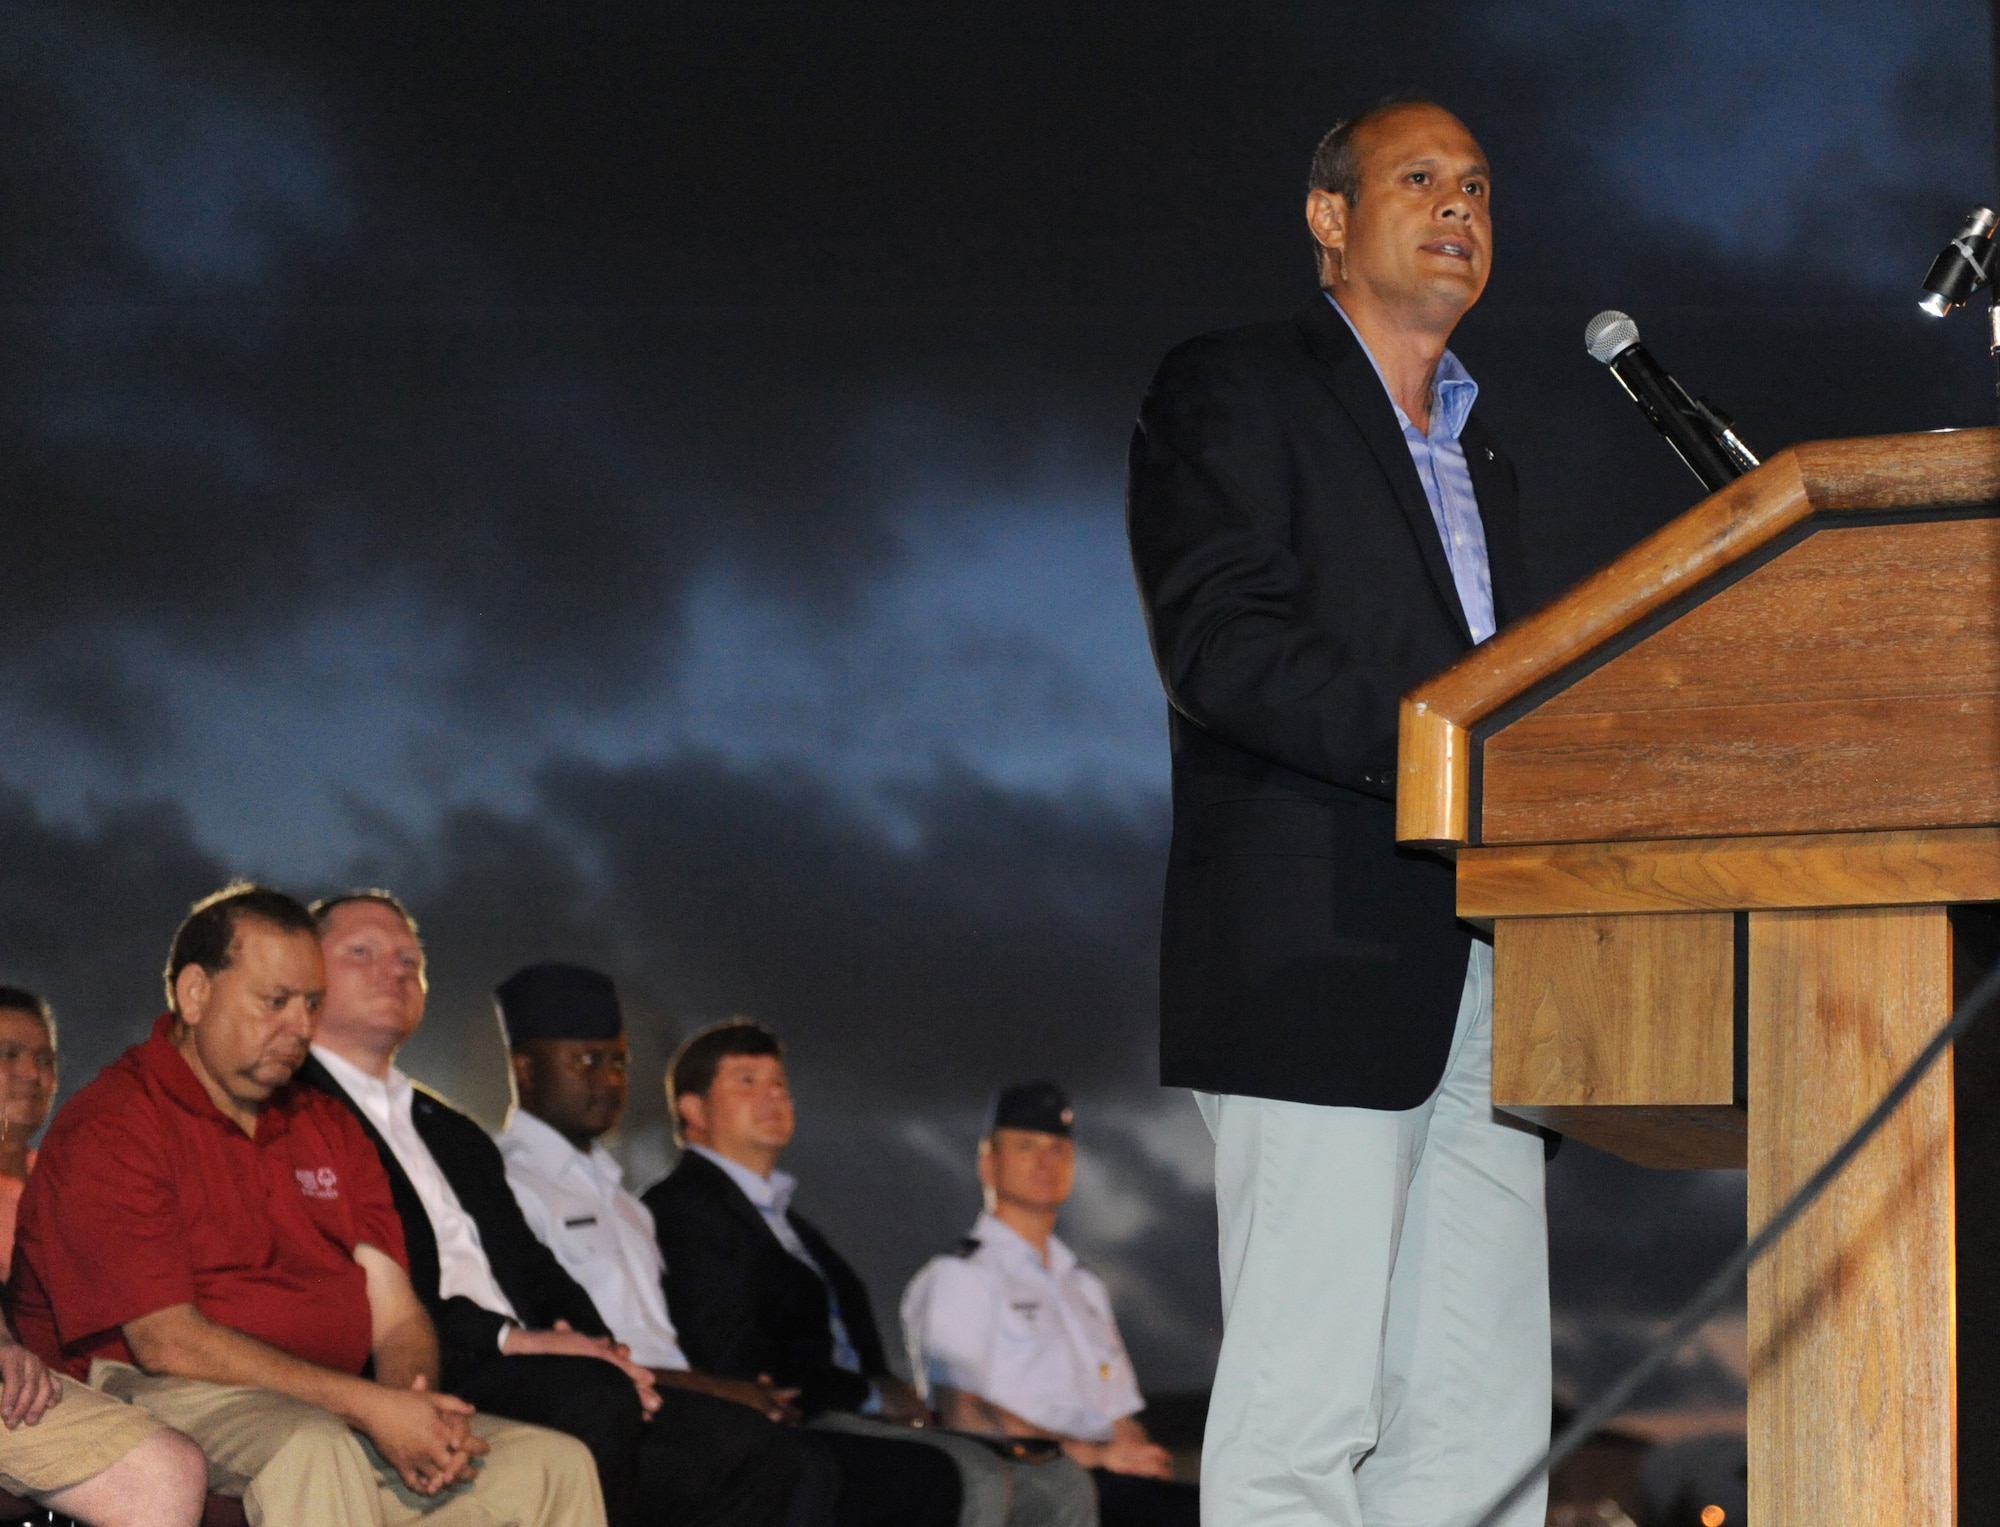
[[1946, 468], [1853, 682], [1860, 869], [1851, 1349], [1620, 1031]]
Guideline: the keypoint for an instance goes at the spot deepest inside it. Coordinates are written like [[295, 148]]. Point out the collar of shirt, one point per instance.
[[991, 1230], [772, 1198], [383, 1097], [772, 1195], [167, 1066], [550, 1152], [1453, 391]]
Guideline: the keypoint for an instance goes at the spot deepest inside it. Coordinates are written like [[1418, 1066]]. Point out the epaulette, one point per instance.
[[966, 1247]]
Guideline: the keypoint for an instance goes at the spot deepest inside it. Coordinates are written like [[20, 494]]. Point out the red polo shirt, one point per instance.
[[147, 1195]]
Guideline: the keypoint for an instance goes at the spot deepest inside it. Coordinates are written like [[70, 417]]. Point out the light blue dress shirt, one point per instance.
[[772, 1198], [1440, 463]]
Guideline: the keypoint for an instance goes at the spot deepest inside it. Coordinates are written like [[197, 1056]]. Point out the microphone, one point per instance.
[[1702, 435], [1965, 265]]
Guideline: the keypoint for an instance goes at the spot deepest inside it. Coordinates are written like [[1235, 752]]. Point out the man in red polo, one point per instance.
[[219, 1247]]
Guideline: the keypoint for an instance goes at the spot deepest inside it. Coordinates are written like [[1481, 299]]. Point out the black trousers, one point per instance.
[[886, 1483], [1128, 1500], [700, 1462]]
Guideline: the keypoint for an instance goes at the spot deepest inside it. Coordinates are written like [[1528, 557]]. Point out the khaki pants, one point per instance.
[[1385, 1303], [296, 1465], [77, 1438]]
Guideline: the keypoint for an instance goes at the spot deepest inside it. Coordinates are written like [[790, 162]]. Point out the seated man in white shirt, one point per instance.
[[517, 1336], [1009, 1334], [566, 1036]]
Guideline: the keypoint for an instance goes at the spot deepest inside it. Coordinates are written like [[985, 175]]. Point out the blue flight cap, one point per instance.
[[1040, 1106], [556, 1001]]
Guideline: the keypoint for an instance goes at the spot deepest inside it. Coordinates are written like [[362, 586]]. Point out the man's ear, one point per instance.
[[1326, 218], [693, 1111], [192, 989], [523, 1068], [986, 1163]]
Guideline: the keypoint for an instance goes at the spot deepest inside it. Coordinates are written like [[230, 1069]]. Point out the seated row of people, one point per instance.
[[260, 1233]]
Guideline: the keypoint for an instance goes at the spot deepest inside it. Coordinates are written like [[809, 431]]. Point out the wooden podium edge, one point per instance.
[[1931, 867], [1943, 469]]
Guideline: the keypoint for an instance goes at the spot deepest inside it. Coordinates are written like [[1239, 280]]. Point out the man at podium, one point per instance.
[[1319, 521]]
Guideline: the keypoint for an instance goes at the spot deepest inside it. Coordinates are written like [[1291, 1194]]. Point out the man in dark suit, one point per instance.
[[1319, 521], [754, 1288], [517, 1336], [565, 1035]]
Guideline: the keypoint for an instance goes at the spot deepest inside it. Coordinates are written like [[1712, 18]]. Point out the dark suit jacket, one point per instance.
[[743, 1305], [1295, 586], [526, 1270]]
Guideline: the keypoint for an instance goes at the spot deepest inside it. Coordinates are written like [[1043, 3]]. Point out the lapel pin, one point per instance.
[[1489, 453]]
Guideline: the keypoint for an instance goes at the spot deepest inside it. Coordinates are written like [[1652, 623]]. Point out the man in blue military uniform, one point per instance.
[[1011, 1334]]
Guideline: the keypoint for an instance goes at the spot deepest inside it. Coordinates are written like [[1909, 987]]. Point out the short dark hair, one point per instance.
[[18, 999], [323, 909], [1335, 165], [692, 1070], [208, 933]]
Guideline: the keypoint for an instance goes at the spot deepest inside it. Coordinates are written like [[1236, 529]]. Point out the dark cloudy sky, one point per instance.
[[644, 481]]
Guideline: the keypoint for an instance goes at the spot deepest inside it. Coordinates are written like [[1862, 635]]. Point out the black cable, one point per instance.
[[1729, 1276]]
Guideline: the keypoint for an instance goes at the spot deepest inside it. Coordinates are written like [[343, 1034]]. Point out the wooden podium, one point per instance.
[[1726, 806]]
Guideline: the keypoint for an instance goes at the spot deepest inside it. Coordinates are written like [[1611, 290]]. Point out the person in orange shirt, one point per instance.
[[27, 1088]]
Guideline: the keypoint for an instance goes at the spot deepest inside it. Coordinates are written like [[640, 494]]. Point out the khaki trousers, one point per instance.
[[1385, 1303], [78, 1438], [296, 1465]]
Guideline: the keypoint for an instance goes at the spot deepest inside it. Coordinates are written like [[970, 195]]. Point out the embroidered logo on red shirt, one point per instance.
[[323, 1183]]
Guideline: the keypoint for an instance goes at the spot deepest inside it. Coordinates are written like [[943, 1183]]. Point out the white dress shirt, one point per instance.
[[463, 1268], [772, 1198], [1040, 1342], [577, 1205]]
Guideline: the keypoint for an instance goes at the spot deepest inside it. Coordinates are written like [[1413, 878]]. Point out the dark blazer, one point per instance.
[[743, 1305], [1295, 586], [526, 1270]]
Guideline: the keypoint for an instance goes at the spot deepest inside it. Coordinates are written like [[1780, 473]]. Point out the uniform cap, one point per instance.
[[1040, 1106], [555, 1001]]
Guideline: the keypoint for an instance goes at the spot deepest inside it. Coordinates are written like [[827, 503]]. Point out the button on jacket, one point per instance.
[[576, 1204], [1040, 1342]]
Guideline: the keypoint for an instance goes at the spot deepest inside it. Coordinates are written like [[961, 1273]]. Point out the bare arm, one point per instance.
[[423, 1435], [402, 1339], [1128, 1452]]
